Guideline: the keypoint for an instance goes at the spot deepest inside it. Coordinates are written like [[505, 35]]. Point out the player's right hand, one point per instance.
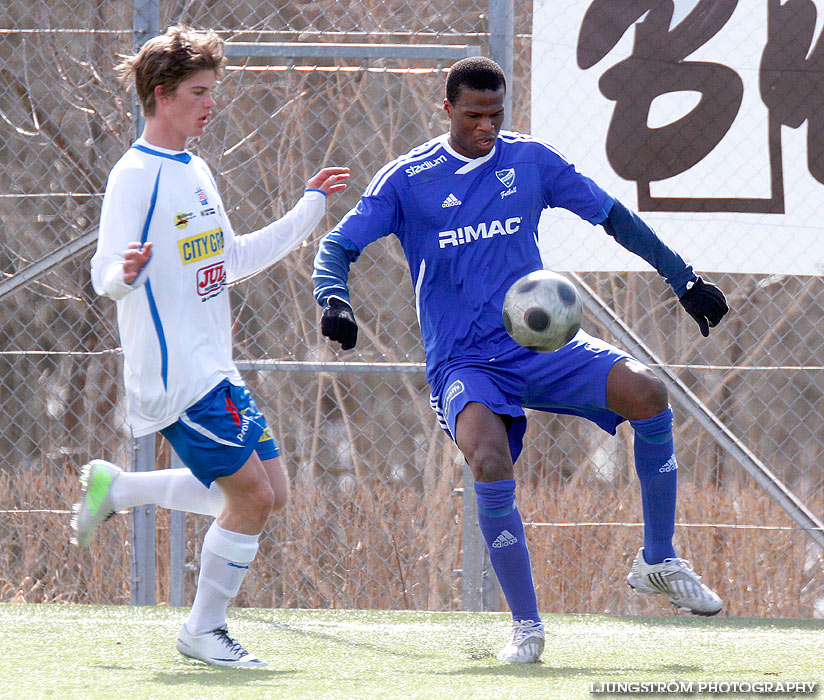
[[135, 259], [337, 322], [329, 180]]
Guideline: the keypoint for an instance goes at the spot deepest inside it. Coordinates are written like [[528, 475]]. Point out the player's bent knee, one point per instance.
[[489, 463], [635, 392], [652, 395], [260, 501]]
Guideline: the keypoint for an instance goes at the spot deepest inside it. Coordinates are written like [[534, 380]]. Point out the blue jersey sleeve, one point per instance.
[[331, 268], [565, 187], [628, 229], [374, 216]]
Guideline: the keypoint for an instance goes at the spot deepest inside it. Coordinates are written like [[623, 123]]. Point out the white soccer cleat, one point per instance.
[[676, 581], [95, 504], [526, 644], [216, 648]]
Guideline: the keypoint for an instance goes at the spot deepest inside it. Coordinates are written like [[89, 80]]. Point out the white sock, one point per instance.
[[176, 489], [224, 561]]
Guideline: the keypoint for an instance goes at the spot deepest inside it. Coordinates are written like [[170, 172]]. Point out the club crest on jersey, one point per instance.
[[201, 197], [210, 281], [507, 177], [182, 219]]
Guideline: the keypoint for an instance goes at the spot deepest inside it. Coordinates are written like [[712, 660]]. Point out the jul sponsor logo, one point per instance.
[[211, 280]]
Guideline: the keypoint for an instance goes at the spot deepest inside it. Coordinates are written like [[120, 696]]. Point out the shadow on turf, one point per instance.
[[546, 669], [218, 675], [344, 641]]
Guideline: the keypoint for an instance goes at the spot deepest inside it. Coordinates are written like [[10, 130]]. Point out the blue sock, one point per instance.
[[503, 530], [658, 473]]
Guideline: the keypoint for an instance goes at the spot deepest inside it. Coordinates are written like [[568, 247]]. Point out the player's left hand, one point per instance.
[[706, 303], [337, 322], [329, 180]]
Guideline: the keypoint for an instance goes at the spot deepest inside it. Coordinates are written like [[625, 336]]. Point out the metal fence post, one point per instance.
[[142, 532], [480, 590], [177, 548], [145, 25], [502, 47]]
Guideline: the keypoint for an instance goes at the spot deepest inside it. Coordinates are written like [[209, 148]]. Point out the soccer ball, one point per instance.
[[542, 311]]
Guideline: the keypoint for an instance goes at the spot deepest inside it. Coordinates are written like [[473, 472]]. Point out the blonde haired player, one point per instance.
[[165, 253]]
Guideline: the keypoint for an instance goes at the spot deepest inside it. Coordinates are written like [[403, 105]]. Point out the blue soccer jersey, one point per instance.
[[469, 229]]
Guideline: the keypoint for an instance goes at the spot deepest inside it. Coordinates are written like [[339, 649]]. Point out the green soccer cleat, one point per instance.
[[95, 504]]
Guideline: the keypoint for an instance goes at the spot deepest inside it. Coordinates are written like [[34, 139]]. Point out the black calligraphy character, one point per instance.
[[657, 67], [792, 83]]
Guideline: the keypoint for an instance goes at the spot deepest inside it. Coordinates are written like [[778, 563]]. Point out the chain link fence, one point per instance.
[[376, 511]]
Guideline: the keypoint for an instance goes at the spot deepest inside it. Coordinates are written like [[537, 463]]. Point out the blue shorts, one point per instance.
[[216, 436], [572, 380]]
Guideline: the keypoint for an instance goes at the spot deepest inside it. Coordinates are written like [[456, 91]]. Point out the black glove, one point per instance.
[[705, 303], [337, 322]]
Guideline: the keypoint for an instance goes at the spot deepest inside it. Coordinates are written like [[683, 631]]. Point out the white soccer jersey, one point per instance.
[[175, 318]]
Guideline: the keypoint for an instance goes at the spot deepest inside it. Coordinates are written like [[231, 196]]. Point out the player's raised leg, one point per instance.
[[106, 489], [634, 392]]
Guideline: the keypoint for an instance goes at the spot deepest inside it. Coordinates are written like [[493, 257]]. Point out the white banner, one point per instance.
[[705, 116]]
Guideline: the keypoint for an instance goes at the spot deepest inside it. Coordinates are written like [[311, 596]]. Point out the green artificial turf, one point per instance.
[[106, 652]]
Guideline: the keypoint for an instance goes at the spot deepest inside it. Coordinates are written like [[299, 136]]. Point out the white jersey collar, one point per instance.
[[142, 144], [471, 163]]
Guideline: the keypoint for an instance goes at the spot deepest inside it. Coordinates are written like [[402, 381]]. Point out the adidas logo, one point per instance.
[[451, 201], [669, 466], [505, 539]]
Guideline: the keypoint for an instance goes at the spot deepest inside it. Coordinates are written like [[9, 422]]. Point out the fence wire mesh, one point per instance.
[[375, 513]]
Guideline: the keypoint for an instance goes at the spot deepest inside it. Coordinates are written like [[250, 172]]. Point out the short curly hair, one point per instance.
[[169, 59], [477, 73]]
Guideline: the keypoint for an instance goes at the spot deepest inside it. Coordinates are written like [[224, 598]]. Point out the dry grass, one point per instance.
[[387, 546]]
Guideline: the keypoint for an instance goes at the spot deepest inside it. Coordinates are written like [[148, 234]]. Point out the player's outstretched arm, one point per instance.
[[703, 301], [255, 251]]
